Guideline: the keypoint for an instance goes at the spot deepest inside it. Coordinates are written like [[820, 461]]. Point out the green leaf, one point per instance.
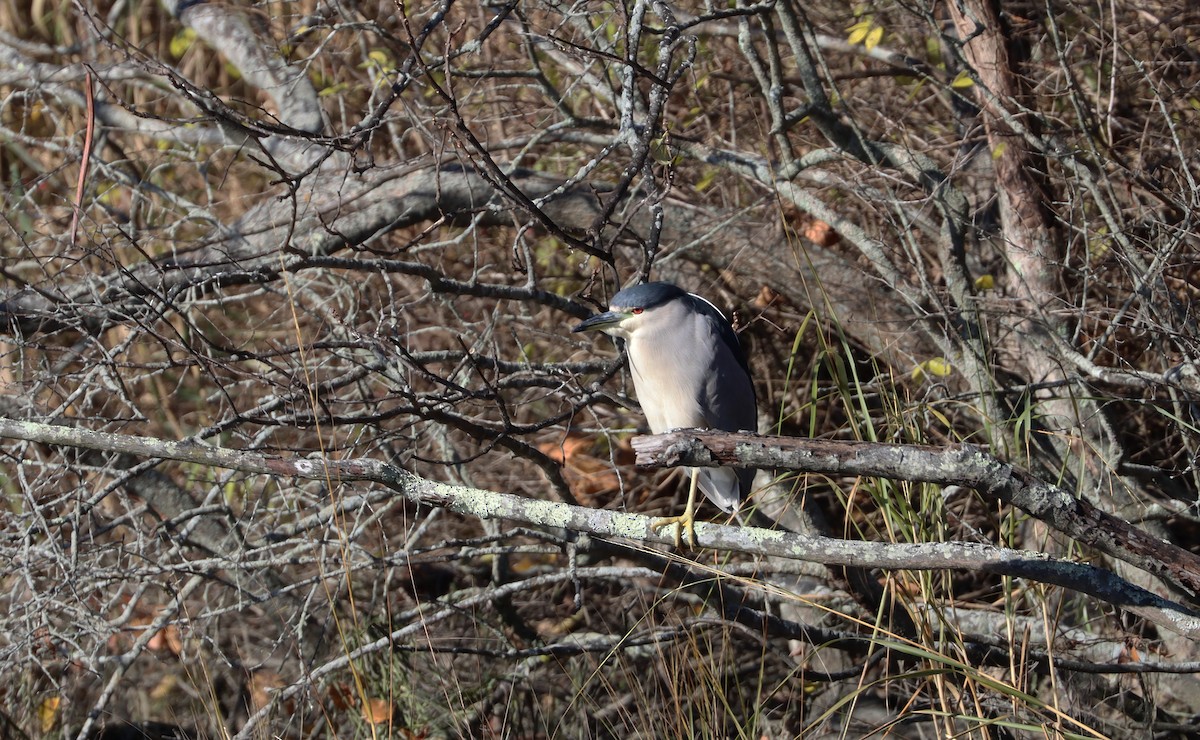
[[181, 42], [706, 179]]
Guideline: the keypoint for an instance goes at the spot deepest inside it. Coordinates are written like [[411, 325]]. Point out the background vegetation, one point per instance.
[[331, 230]]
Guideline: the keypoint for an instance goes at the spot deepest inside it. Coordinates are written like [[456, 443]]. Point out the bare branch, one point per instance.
[[962, 465], [494, 505]]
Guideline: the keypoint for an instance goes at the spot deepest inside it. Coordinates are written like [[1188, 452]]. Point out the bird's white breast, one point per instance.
[[668, 366]]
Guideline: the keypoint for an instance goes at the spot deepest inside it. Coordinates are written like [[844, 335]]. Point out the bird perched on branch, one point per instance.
[[689, 372]]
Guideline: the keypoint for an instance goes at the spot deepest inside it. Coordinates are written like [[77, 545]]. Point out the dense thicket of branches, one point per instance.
[[328, 230]]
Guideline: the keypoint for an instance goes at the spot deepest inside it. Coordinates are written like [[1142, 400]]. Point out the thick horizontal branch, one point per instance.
[[961, 465], [492, 505]]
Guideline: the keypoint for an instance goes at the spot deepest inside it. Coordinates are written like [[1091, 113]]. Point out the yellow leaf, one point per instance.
[[859, 31], [985, 282], [939, 366], [48, 713], [940, 417], [873, 38], [1097, 249], [936, 367], [963, 80], [998, 152]]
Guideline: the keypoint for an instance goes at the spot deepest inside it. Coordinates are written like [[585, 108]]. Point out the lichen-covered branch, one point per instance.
[[496, 505]]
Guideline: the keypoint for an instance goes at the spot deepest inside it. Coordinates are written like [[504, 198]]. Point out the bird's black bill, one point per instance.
[[599, 321]]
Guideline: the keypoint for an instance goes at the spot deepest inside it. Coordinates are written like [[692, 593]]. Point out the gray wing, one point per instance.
[[729, 403], [723, 329]]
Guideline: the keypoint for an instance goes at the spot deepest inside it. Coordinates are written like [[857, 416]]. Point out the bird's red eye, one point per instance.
[[636, 311]]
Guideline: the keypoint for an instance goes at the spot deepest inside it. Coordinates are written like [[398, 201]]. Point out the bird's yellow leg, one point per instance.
[[685, 522]]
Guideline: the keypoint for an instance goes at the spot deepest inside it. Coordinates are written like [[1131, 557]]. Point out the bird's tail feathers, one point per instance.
[[722, 486]]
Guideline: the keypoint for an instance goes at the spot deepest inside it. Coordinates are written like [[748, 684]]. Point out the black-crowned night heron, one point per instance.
[[689, 373]]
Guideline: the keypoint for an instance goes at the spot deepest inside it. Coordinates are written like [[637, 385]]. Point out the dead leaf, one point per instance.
[[821, 233], [1129, 654], [341, 696], [548, 629], [259, 686], [164, 688], [588, 476], [167, 640], [378, 711], [766, 297], [525, 562]]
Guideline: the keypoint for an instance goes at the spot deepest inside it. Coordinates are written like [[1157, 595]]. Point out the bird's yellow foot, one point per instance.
[[685, 522]]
